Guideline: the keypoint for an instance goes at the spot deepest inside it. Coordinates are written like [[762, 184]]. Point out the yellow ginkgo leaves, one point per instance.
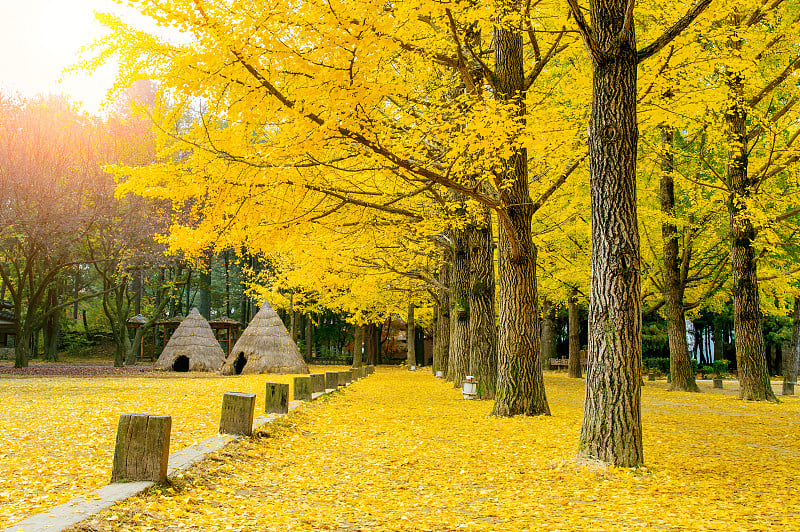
[[404, 451]]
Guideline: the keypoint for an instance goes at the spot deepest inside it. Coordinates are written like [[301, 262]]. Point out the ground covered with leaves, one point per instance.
[[404, 451], [58, 432]]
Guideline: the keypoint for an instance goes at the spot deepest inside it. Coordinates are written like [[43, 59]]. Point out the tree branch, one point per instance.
[[676, 29]]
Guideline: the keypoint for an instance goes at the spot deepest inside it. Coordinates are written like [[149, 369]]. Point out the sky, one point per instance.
[[40, 38]]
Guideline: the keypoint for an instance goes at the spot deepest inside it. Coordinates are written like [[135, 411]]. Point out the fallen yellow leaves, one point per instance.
[[58, 433], [403, 451]]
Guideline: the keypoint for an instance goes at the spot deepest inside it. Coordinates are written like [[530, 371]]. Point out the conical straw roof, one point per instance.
[[265, 347], [194, 340]]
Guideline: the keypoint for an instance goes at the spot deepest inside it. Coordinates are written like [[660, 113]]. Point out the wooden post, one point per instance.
[[331, 380], [142, 448], [237, 413], [302, 388], [277, 398], [317, 382]]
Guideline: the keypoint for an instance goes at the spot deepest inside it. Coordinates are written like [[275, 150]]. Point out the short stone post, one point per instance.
[[362, 372], [718, 382], [343, 377], [331, 380], [142, 448], [317, 382], [651, 376], [302, 388], [237, 413], [355, 373], [276, 400], [370, 370]]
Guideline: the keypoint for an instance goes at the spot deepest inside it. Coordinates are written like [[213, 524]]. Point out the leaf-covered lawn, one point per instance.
[[58, 433], [403, 451]]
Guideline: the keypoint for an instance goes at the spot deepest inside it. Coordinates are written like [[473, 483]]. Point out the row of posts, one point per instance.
[[142, 446]]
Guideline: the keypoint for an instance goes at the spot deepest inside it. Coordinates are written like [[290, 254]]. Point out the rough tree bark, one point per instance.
[[791, 359], [358, 346], [482, 328], [458, 356], [548, 334], [442, 337], [680, 365], [411, 334], [612, 427], [751, 362], [574, 330], [520, 384]]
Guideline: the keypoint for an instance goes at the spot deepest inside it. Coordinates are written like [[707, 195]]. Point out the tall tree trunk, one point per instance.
[[292, 318], [482, 328], [358, 346], [680, 365], [751, 362], [226, 258], [137, 292], [442, 337], [791, 358], [612, 427], [411, 344], [309, 337], [719, 343], [458, 356], [548, 334], [574, 332], [520, 383], [369, 344], [204, 287], [22, 346]]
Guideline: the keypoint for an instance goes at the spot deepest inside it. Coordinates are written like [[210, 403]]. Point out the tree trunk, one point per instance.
[[574, 331], [482, 328], [86, 326], [520, 383], [369, 344], [548, 334], [751, 362], [51, 327], [22, 347], [226, 258], [358, 345], [309, 337], [442, 338], [292, 318], [680, 365], [719, 344], [612, 428], [411, 344], [458, 356], [791, 358], [137, 292]]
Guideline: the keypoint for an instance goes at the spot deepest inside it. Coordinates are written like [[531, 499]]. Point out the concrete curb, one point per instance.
[[80, 508]]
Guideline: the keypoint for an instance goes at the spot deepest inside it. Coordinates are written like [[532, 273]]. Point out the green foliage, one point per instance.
[[660, 365]]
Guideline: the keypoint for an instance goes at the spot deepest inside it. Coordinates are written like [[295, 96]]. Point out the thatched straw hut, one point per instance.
[[265, 347], [192, 347]]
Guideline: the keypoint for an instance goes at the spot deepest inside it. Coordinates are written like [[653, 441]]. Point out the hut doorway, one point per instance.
[[238, 366], [181, 363]]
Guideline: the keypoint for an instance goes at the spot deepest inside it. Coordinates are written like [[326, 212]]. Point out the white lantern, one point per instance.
[[440, 374], [470, 387]]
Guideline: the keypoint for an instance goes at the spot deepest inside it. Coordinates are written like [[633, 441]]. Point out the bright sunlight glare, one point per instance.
[[40, 38]]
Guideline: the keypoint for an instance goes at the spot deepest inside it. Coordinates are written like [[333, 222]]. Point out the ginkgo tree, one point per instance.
[[315, 99]]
